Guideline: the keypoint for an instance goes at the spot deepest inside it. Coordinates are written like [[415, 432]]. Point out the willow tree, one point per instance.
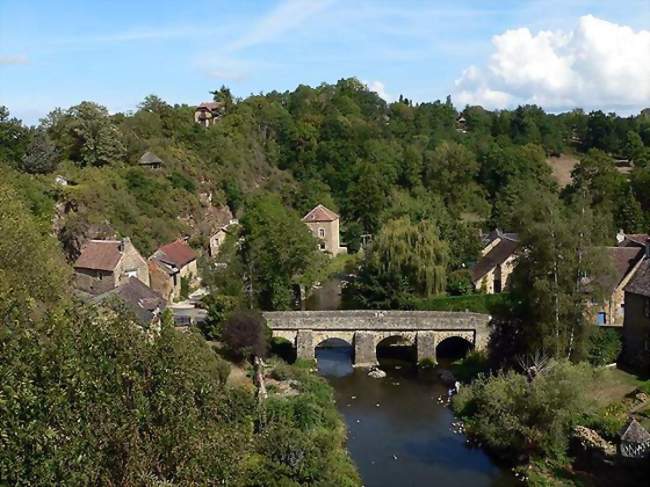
[[407, 260]]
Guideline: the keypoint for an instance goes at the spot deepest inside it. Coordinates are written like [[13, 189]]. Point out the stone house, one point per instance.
[[150, 160], [624, 261], [208, 112], [635, 441], [105, 264], [170, 264], [636, 324], [324, 225], [144, 303], [492, 271]]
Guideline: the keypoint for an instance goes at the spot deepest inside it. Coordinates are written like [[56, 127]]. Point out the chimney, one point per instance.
[[620, 236], [123, 243]]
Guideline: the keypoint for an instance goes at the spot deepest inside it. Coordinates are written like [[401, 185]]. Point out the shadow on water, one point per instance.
[[398, 432]]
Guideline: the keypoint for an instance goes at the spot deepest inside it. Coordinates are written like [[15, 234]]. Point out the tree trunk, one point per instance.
[[259, 379]]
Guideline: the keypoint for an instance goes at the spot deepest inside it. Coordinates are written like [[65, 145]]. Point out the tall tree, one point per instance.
[[406, 260], [41, 156], [279, 251]]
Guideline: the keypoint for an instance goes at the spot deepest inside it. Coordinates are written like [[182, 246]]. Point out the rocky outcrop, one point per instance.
[[591, 441]]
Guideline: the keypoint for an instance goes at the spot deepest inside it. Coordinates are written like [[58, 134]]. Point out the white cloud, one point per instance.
[[13, 59], [379, 88], [598, 64]]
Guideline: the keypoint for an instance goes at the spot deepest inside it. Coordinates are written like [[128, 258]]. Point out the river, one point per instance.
[[399, 435]]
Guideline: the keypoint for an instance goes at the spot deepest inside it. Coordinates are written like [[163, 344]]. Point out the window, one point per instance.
[[322, 246], [131, 273], [646, 307], [321, 232], [601, 319]]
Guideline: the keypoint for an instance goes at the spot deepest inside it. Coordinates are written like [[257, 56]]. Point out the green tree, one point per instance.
[[14, 137], [41, 156], [279, 252], [406, 260]]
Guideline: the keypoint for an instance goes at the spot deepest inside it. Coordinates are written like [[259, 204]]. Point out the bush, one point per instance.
[[515, 417], [605, 346], [494, 304], [459, 282], [246, 334]]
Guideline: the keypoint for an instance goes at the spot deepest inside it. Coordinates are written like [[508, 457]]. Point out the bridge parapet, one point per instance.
[[365, 329]]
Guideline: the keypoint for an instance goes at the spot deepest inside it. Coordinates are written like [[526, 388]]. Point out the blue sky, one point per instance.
[[58, 53]]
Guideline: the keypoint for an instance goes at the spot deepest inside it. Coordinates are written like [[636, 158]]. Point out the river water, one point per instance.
[[399, 435]]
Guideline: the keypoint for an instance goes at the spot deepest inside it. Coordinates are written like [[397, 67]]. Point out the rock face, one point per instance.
[[377, 374], [591, 440]]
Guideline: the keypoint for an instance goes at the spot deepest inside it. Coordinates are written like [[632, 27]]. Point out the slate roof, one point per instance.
[[640, 282], [634, 433], [99, 255], [623, 260], [149, 158], [143, 301], [496, 256], [176, 253], [320, 214], [635, 240]]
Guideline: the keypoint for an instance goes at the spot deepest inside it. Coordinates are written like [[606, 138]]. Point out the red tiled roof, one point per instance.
[[177, 253], [99, 255], [210, 105], [320, 214], [635, 239]]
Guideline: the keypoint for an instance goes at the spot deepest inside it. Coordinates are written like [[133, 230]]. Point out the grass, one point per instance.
[[614, 385], [493, 304]]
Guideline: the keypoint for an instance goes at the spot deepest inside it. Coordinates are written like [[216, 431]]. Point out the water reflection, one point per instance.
[[399, 435]]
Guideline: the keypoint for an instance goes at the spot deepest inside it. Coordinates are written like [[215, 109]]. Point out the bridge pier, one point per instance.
[[365, 352], [425, 344], [305, 345]]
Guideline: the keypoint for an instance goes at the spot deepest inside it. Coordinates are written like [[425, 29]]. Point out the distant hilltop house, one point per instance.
[[492, 272], [208, 112], [150, 160], [169, 265], [636, 324], [144, 303], [105, 264], [324, 224]]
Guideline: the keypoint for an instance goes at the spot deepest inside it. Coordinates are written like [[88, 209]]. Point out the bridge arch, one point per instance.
[[394, 345], [454, 346]]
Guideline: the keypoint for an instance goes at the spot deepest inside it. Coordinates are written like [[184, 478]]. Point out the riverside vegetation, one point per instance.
[[94, 390]]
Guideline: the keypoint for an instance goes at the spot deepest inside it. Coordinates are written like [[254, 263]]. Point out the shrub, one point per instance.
[[246, 334], [604, 346], [516, 417]]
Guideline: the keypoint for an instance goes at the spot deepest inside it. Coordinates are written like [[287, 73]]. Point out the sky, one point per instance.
[[559, 54]]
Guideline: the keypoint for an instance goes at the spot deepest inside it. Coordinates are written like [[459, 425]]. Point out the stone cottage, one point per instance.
[[208, 112], [623, 261], [144, 303], [105, 264], [492, 272], [636, 324], [324, 224], [170, 264], [635, 441], [150, 160]]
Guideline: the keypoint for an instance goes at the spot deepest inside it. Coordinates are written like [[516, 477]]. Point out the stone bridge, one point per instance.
[[364, 330]]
